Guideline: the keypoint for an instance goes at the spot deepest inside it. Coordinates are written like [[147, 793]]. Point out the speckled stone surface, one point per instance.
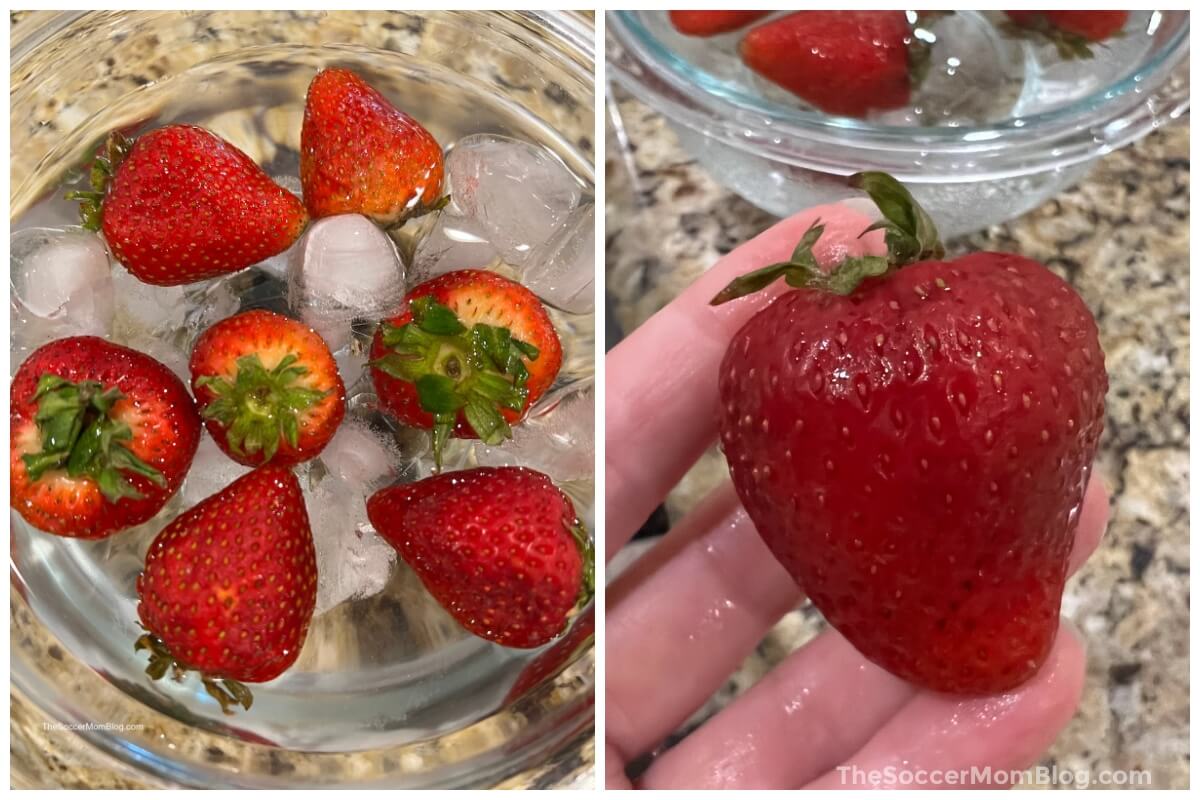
[[46, 755], [1121, 237]]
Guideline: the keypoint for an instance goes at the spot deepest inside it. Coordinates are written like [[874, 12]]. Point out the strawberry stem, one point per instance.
[[474, 371], [103, 168], [588, 553], [225, 691], [1070, 46], [79, 435], [909, 233], [260, 408]]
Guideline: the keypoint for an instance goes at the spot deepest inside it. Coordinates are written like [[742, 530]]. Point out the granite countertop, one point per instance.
[[1121, 238]]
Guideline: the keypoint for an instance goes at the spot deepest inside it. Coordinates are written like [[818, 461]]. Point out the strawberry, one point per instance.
[[912, 437], [359, 154], [469, 353], [230, 585], [1070, 31], [557, 656], [100, 437], [500, 549], [711, 23], [180, 205], [843, 62], [268, 388]]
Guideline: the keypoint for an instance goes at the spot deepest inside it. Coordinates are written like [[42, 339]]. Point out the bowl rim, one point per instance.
[[1097, 124], [1176, 47]]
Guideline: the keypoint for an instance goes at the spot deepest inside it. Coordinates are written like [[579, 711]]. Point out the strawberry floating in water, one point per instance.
[[179, 205], [268, 388], [359, 154], [100, 437], [469, 355], [230, 585], [500, 548]]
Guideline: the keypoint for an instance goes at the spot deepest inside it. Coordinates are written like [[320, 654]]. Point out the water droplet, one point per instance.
[[1026, 400]]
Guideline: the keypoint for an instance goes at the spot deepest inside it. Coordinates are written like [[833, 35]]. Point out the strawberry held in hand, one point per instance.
[[712, 23], [180, 205], [912, 438], [268, 388], [500, 548], [469, 355], [842, 62], [229, 586], [359, 154], [100, 437]]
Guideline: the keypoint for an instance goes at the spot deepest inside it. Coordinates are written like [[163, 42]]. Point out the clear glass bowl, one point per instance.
[[970, 170], [388, 692]]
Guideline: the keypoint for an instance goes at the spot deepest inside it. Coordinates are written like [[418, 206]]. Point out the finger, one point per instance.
[[661, 397], [1093, 521], [614, 769], [936, 733], [797, 722], [826, 694], [675, 633]]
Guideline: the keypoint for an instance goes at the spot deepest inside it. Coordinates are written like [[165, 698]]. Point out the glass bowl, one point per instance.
[[1030, 133], [388, 691]]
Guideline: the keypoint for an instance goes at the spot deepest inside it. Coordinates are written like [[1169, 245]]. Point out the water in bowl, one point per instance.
[[979, 74], [383, 664]]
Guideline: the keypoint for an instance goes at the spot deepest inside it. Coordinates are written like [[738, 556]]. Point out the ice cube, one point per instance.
[[165, 321], [559, 441], [352, 366], [519, 193], [562, 271], [61, 286], [454, 242], [352, 560], [361, 457], [211, 472], [344, 268]]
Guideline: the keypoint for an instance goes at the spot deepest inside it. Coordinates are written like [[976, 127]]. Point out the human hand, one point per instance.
[[684, 616]]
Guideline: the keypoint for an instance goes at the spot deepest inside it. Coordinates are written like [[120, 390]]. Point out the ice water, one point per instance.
[[977, 73], [383, 663]]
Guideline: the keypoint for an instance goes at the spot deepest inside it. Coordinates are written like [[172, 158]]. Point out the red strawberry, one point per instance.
[[268, 388], [914, 447], [359, 154], [469, 354], [499, 548], [1071, 31], [711, 23], [182, 205], [842, 62], [230, 585], [100, 437], [556, 657]]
